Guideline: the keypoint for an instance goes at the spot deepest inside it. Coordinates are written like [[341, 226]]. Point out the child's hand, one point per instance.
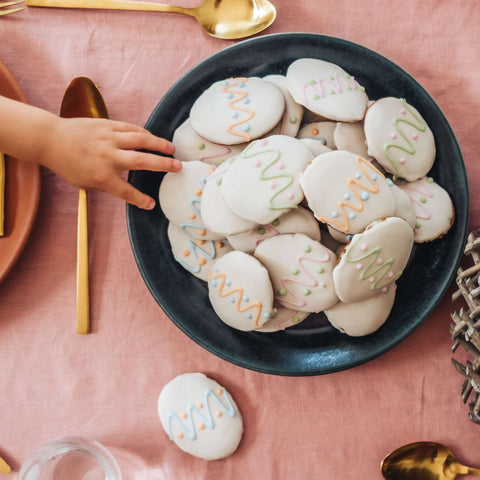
[[94, 153]]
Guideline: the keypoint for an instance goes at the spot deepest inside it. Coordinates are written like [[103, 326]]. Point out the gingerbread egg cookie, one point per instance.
[[190, 146], [301, 271], [180, 196], [216, 214], [362, 318], [346, 191], [292, 116], [240, 291], [299, 220], [200, 416], [373, 260], [282, 319], [196, 256], [321, 131], [434, 212], [399, 138], [326, 89], [237, 110], [351, 137], [264, 180]]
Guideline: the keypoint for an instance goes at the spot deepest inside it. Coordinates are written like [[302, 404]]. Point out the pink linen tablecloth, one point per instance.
[[54, 382]]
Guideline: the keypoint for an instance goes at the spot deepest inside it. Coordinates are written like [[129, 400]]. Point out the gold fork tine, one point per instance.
[[11, 10]]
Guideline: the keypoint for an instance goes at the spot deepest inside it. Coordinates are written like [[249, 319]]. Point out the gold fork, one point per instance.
[[6, 11]]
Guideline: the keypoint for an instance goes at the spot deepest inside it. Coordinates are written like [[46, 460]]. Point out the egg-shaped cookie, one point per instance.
[[301, 271], [299, 220], [433, 207], [321, 131], [346, 191], [240, 291], [373, 260], [326, 89], [237, 110], [180, 196], [351, 137], [190, 146], [399, 138], [200, 416], [194, 255], [403, 206], [264, 180], [362, 318]]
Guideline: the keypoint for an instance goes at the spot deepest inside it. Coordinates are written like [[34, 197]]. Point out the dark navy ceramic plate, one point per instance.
[[313, 347]]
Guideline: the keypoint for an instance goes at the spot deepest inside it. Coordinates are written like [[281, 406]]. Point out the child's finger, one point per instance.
[[122, 189], [119, 126], [144, 141], [133, 160]]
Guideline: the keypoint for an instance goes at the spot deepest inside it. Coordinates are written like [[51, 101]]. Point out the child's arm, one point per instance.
[[88, 153]]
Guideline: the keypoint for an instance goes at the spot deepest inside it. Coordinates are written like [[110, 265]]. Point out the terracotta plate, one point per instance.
[[22, 190]]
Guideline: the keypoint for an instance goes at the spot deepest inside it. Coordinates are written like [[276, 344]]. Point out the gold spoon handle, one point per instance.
[[473, 471], [111, 5], [83, 300]]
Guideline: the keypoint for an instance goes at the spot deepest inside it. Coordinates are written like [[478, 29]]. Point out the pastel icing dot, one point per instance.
[[218, 414], [232, 299], [390, 274], [219, 391], [261, 230], [257, 163], [201, 146], [219, 244], [282, 292], [363, 247], [200, 242], [201, 426], [362, 89], [246, 101], [219, 181], [307, 249], [315, 131], [246, 127], [379, 261], [293, 119], [322, 141], [331, 77], [184, 415], [228, 283], [312, 82], [186, 253], [202, 261], [402, 160], [245, 298], [415, 136], [417, 225], [403, 111], [358, 175], [334, 214], [429, 179], [271, 184], [215, 269], [263, 142], [295, 271], [180, 435], [359, 266], [393, 287], [266, 315], [388, 182], [214, 283], [320, 270], [200, 405], [365, 196], [348, 237], [347, 196], [423, 199], [192, 216], [230, 95], [351, 216], [240, 85], [226, 83], [307, 291], [248, 315], [332, 92], [202, 232], [280, 165], [393, 135], [385, 289], [349, 87], [296, 319], [347, 76], [198, 192], [316, 96], [374, 176], [371, 279], [235, 115], [276, 222], [290, 195]]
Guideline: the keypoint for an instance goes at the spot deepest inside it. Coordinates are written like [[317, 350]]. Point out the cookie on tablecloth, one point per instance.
[[240, 291], [299, 220], [190, 146], [373, 260], [216, 214], [292, 116], [264, 180], [196, 256], [346, 191], [326, 89], [434, 212], [362, 318], [237, 110], [399, 138], [200, 416], [301, 271]]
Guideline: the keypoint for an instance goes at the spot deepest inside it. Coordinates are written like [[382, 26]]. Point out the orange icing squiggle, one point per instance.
[[352, 183], [221, 276], [242, 94]]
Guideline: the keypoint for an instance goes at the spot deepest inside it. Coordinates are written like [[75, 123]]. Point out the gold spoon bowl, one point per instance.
[[424, 461], [227, 19]]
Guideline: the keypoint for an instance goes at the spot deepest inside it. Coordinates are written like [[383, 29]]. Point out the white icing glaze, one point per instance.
[[399, 138], [346, 191], [240, 291], [321, 131], [301, 271], [373, 260], [200, 416], [362, 318], [403, 206], [316, 146], [326, 89], [351, 137], [434, 212], [216, 214], [237, 110], [180, 196], [263, 182], [190, 146], [299, 220], [196, 256]]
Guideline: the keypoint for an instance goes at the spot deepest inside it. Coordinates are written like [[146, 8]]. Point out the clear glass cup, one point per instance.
[[71, 458]]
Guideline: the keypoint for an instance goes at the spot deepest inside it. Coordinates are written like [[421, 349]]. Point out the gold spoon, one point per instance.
[[82, 99], [424, 461], [226, 19]]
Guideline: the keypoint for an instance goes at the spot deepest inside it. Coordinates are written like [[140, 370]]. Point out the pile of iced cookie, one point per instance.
[[298, 195]]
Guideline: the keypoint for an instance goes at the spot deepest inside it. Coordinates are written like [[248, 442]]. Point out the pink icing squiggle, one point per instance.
[[269, 233], [304, 279], [319, 86], [421, 212]]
